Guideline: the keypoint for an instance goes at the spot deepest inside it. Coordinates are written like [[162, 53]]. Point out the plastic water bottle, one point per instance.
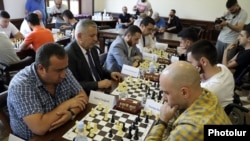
[[151, 67], [117, 27], [80, 136]]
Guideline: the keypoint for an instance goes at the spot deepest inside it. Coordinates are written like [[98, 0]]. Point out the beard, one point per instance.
[[129, 43]]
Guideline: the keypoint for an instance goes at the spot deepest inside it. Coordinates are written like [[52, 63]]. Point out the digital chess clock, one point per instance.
[[128, 105]]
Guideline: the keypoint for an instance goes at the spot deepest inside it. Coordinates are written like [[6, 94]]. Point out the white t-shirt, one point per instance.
[[54, 10], [25, 29], [143, 7], [149, 44], [7, 53], [10, 29], [222, 85]]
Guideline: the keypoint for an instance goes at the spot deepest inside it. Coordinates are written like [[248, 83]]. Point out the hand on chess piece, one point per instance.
[[116, 76], [104, 84]]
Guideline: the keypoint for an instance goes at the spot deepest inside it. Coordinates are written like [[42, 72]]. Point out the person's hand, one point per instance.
[[231, 46], [104, 83], [116, 76], [135, 63], [137, 57], [79, 101], [167, 112], [64, 116], [63, 27]]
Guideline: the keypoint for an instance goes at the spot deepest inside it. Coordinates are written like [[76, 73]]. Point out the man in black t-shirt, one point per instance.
[[125, 19], [69, 18]]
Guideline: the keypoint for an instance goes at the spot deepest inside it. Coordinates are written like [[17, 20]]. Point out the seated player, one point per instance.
[[146, 42], [7, 53], [186, 37], [215, 77], [7, 27], [125, 19], [242, 59], [187, 107], [160, 24], [69, 18], [38, 36], [123, 50], [44, 95], [25, 28], [84, 60], [173, 24]]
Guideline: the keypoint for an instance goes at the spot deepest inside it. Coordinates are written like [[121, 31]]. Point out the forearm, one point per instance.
[[156, 133], [224, 59], [236, 28], [172, 28]]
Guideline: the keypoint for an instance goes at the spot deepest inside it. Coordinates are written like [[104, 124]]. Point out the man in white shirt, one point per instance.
[[56, 13], [7, 53], [7, 27], [143, 6], [217, 78], [25, 28], [146, 43]]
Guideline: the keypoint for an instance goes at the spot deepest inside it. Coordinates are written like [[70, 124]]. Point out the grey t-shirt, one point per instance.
[[228, 35]]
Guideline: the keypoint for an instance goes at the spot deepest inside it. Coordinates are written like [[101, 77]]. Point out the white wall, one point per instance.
[[15, 8], [206, 10]]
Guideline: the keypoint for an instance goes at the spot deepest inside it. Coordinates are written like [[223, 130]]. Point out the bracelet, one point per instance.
[[161, 122]]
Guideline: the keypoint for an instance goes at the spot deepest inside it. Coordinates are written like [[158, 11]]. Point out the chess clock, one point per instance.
[[163, 61], [128, 105], [152, 76]]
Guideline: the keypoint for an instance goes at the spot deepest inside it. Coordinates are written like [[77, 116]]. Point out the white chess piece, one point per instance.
[[92, 112], [99, 107], [91, 133], [106, 117], [95, 127]]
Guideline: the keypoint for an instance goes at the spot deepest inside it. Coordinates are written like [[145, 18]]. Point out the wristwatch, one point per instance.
[[72, 114], [159, 121]]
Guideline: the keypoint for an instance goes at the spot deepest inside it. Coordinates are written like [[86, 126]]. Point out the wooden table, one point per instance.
[[169, 38], [104, 22]]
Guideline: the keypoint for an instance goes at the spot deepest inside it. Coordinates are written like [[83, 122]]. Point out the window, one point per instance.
[[73, 5]]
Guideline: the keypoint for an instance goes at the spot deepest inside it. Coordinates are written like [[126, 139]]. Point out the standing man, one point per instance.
[[84, 60], [231, 24], [143, 6], [125, 19], [187, 107], [32, 5], [56, 13], [38, 36], [174, 23], [217, 78], [146, 42], [44, 95], [123, 50], [7, 27]]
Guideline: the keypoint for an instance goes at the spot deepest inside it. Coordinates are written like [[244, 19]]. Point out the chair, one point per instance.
[[102, 58], [200, 31], [8, 69], [4, 117]]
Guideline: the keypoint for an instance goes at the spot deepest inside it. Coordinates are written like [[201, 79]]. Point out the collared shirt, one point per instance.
[[27, 95], [84, 51], [55, 10], [189, 125]]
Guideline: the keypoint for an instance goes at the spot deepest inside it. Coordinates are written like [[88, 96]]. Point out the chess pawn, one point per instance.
[[106, 117], [99, 107], [92, 133], [95, 127], [88, 125], [142, 113], [92, 112], [80, 135], [149, 113]]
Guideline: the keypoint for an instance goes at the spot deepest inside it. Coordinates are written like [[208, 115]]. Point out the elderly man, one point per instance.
[[215, 77], [56, 13], [25, 28], [187, 107], [231, 24], [44, 95], [7, 27], [160, 24], [123, 50], [125, 19], [84, 60]]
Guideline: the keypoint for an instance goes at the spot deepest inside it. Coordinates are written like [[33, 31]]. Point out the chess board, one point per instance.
[[140, 90], [105, 126]]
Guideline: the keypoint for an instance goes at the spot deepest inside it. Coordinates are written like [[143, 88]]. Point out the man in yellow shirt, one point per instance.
[[187, 107]]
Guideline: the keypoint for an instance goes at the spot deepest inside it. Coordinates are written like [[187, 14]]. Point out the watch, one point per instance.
[[72, 114], [159, 121]]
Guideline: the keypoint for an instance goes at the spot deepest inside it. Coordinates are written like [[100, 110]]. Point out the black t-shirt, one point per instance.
[[243, 60]]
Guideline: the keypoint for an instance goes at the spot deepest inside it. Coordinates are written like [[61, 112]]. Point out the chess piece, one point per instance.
[[117, 125], [120, 132], [149, 113], [92, 112], [106, 117], [123, 127], [129, 135], [146, 119], [92, 133], [153, 95], [142, 113], [88, 125], [99, 107], [95, 127], [136, 134], [159, 96], [110, 133], [138, 118], [106, 110], [113, 119], [157, 116]]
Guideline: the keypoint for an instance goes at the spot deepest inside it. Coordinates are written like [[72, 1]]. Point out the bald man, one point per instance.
[[56, 13], [187, 107], [25, 28]]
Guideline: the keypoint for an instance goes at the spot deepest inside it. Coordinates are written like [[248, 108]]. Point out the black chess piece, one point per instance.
[[110, 134], [123, 127], [136, 122], [148, 91], [113, 119], [146, 119], [129, 135], [138, 118], [159, 96], [153, 95], [140, 86], [133, 125], [136, 134]]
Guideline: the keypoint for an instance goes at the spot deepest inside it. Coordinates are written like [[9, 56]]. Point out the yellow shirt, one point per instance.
[[189, 125]]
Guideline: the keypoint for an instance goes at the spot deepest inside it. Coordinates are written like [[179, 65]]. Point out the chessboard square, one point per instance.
[[143, 125], [106, 129], [96, 120], [102, 133], [117, 138], [110, 125], [101, 113], [99, 117], [98, 137], [125, 116], [103, 123], [112, 112]]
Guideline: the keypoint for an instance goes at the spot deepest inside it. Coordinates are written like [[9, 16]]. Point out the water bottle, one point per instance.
[[80, 136], [151, 67], [117, 27]]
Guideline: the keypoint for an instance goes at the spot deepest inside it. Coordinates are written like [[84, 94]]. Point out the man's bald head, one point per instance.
[[182, 74], [58, 3]]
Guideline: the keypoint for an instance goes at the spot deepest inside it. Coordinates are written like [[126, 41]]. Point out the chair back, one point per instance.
[[102, 58], [4, 117]]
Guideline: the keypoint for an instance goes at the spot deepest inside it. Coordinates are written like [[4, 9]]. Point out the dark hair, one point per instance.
[[173, 11], [67, 13], [189, 33], [46, 51], [4, 14], [231, 3], [132, 30], [33, 19], [247, 29], [147, 20], [204, 48]]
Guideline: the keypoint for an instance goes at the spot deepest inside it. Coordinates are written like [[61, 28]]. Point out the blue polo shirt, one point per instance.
[[160, 23]]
